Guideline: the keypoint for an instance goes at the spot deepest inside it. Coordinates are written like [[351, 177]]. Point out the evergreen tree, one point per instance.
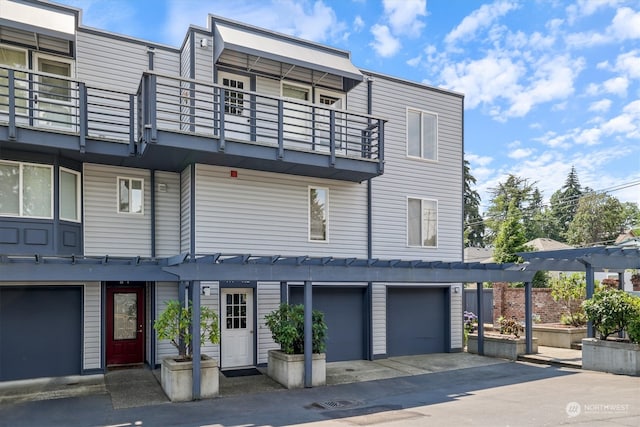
[[511, 236], [563, 207], [599, 220], [473, 222]]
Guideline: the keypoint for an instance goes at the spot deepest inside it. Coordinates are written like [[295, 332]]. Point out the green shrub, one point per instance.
[[510, 327], [287, 329], [611, 311], [570, 291], [633, 327]]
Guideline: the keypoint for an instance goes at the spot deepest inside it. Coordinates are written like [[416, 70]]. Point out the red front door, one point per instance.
[[125, 325]]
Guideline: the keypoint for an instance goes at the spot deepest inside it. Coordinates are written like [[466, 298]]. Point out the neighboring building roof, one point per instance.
[[545, 244], [625, 238], [482, 255]]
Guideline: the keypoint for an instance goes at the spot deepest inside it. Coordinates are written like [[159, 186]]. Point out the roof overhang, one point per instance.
[[280, 48], [41, 18], [597, 257]]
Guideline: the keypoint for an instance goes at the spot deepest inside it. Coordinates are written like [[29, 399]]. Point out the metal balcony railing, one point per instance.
[[184, 105], [30, 99]]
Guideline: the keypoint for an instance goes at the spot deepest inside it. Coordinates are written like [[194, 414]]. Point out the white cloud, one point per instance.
[[617, 86], [624, 26], [358, 24], [588, 136], [520, 153], [403, 16], [413, 62], [584, 8], [601, 106], [475, 159], [479, 19], [629, 64], [384, 44]]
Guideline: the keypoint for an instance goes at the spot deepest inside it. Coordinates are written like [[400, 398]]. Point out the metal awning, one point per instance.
[[288, 50]]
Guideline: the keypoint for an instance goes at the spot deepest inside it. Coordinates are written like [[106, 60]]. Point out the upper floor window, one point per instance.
[[422, 222], [26, 190], [422, 134], [13, 58], [69, 195], [318, 214], [233, 97], [130, 195]]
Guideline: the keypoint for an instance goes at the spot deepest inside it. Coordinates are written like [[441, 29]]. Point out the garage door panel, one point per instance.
[[40, 332], [416, 321], [343, 310]]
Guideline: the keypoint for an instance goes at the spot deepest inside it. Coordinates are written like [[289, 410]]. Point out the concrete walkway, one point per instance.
[[566, 357]]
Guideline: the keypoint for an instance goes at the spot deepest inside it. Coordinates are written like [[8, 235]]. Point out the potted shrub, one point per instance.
[[174, 325], [569, 291], [508, 343], [612, 311], [286, 365]]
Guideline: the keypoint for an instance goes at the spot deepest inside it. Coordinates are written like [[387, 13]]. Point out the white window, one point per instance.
[[13, 58], [69, 195], [130, 195], [422, 134], [422, 222], [26, 190], [318, 214], [233, 97]]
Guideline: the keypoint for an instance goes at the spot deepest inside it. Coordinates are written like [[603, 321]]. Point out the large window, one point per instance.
[[26, 190], [13, 58], [69, 195], [130, 195], [422, 222], [422, 134], [318, 214]]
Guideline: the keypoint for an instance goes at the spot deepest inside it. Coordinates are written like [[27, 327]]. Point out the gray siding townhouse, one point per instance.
[[124, 162]]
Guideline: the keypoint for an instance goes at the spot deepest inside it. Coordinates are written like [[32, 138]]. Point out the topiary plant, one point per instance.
[[174, 324], [287, 328]]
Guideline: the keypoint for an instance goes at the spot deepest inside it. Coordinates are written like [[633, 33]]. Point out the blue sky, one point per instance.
[[548, 83]]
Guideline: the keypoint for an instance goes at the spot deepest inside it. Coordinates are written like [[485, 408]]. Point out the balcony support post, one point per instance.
[[132, 125], [221, 105], [280, 129], [83, 116], [12, 105], [153, 106], [332, 137], [380, 145]]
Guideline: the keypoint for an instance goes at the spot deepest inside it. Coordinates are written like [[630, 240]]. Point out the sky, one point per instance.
[[548, 84]]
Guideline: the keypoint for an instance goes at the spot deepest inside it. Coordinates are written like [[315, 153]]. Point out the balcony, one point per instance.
[[171, 122]]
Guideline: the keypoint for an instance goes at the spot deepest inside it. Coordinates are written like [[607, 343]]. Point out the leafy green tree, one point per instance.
[[511, 237], [526, 199], [473, 222], [631, 216], [563, 207], [599, 219], [570, 291]]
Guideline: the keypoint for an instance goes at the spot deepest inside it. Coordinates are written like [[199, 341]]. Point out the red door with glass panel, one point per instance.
[[125, 325]]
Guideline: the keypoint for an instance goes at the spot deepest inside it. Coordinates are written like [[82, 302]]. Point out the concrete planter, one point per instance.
[[558, 336], [288, 369], [611, 356], [502, 346], [177, 379]]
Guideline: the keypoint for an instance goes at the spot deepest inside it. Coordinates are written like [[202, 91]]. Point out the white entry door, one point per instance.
[[236, 327], [297, 117], [55, 99], [236, 106]]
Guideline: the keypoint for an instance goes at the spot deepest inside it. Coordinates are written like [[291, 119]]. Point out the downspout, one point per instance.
[[369, 296], [153, 212]]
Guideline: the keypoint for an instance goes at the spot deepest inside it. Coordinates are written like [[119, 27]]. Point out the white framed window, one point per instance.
[[422, 134], [69, 195], [130, 195], [234, 95], [26, 190], [422, 222], [13, 57], [318, 214]]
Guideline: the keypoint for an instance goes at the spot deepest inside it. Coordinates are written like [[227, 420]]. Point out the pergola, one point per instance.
[[190, 270]]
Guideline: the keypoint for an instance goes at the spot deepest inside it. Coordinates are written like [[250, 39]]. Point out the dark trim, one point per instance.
[[114, 36], [150, 53], [56, 204], [368, 321], [456, 350], [380, 356], [238, 284], [252, 108], [192, 209], [103, 325], [284, 292], [192, 54], [462, 183], [94, 371], [448, 319], [152, 318], [152, 184], [412, 83]]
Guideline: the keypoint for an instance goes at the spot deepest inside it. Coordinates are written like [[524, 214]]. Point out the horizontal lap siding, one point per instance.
[[167, 214], [211, 301], [165, 291], [456, 318], [204, 59], [267, 213], [92, 326], [379, 318], [107, 232], [185, 210], [268, 301], [403, 176]]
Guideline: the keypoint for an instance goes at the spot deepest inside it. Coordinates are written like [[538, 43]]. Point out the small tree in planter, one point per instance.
[[612, 311], [287, 329], [174, 325], [570, 291]]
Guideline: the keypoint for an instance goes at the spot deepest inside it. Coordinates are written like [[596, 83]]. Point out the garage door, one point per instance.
[[417, 320], [344, 315], [40, 332]]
